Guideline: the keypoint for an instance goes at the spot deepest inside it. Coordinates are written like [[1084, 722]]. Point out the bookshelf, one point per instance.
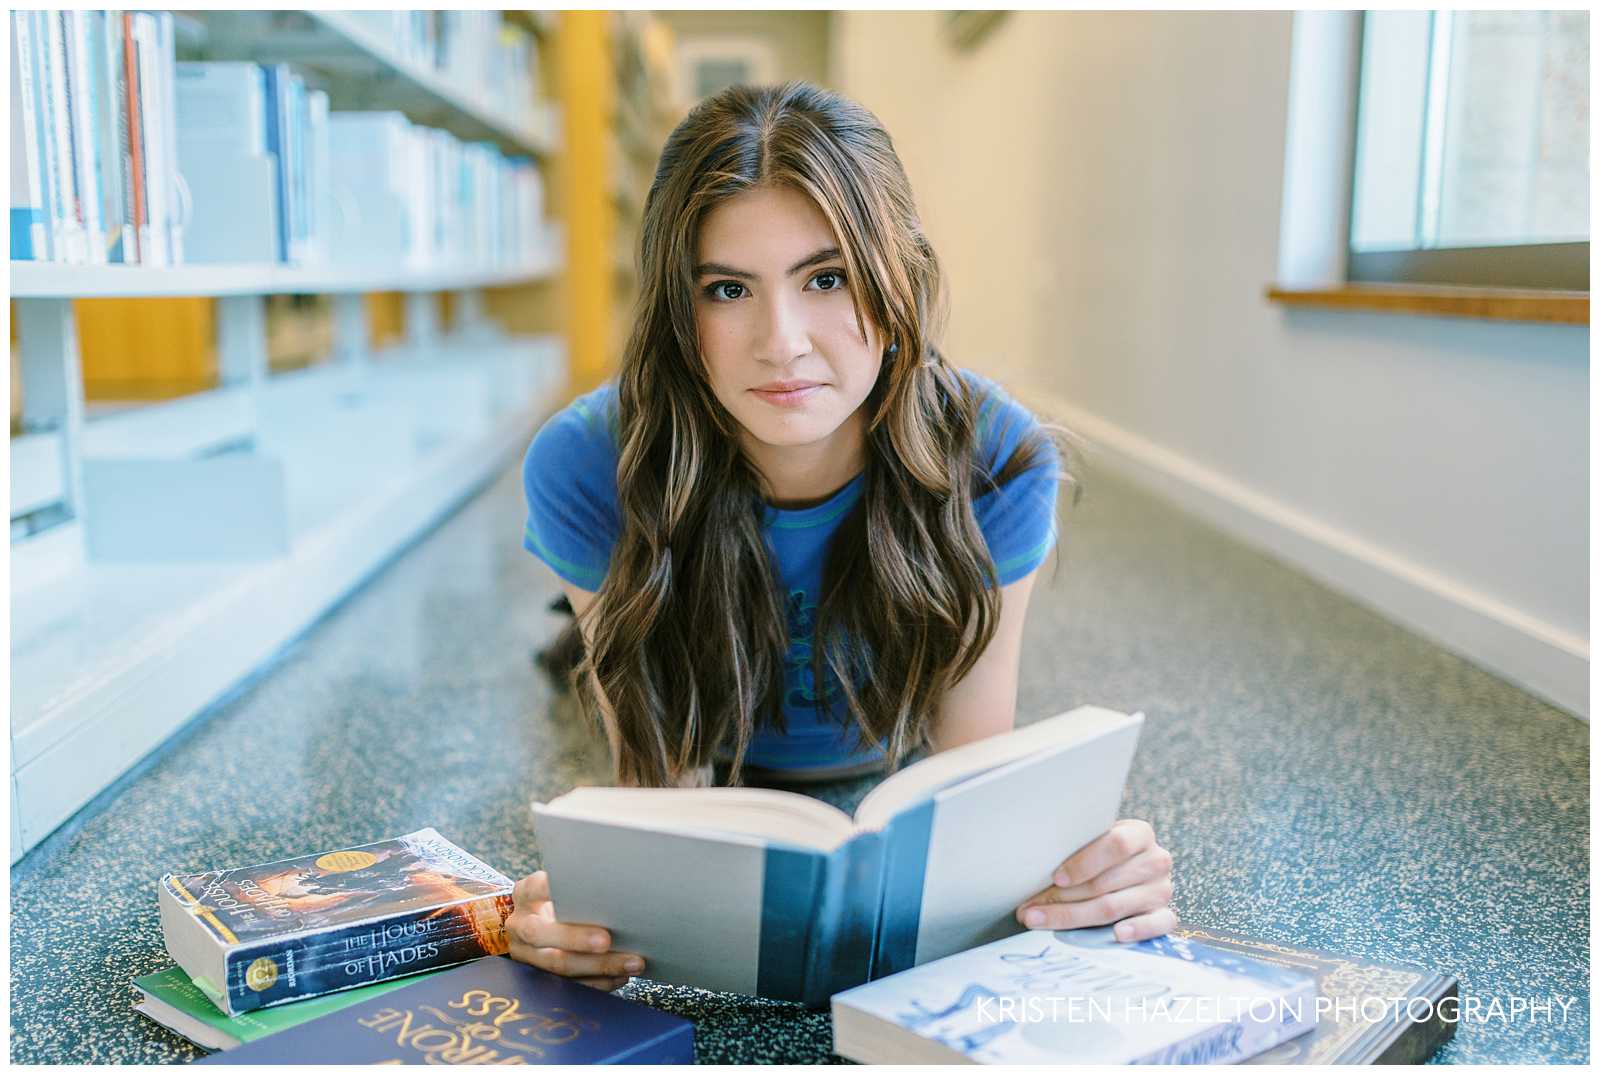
[[361, 71], [163, 552]]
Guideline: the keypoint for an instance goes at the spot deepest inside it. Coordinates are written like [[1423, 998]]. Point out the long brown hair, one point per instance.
[[687, 631]]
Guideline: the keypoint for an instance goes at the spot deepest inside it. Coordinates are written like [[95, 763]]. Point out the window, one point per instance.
[[1472, 149]]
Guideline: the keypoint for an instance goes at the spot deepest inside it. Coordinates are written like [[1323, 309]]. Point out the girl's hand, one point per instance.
[[581, 952], [1121, 876]]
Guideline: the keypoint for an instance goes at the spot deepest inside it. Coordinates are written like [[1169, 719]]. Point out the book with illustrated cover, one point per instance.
[[492, 1011], [1077, 996], [256, 936], [171, 999], [805, 900], [1408, 1033]]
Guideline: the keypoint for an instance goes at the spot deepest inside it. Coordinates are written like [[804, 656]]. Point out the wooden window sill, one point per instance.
[[1493, 303]]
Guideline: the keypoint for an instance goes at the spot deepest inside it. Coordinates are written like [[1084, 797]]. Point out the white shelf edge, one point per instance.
[[59, 280]]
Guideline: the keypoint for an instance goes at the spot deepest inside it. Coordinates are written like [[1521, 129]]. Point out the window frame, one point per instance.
[[1526, 266]]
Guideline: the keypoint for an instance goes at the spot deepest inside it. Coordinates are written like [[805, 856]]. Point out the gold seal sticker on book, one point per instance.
[[345, 861], [261, 974]]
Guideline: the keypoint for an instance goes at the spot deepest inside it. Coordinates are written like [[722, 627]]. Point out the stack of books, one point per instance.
[[254, 152], [337, 958], [274, 176], [257, 936], [94, 149], [476, 49], [416, 196]]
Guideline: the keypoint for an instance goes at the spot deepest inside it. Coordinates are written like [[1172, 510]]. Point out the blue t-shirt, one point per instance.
[[570, 477]]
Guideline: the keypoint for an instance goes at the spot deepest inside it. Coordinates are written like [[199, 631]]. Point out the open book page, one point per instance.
[[996, 838], [780, 816], [921, 781]]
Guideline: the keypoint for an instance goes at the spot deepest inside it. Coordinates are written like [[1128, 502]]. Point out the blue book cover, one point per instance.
[[492, 1011], [254, 936]]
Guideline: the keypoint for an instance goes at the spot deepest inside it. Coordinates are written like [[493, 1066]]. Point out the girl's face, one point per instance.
[[777, 325]]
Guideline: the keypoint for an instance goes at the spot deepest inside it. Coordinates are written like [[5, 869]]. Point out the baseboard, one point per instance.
[[1542, 659]]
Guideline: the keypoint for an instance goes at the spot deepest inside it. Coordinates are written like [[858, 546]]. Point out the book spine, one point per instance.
[[842, 948], [276, 972], [176, 207], [1417, 1041], [275, 93], [299, 123], [793, 909], [107, 155], [1240, 1039], [138, 231], [905, 864], [81, 88], [31, 231], [117, 117], [157, 191], [69, 218]]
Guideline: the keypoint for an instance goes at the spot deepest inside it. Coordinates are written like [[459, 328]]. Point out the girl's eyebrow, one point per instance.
[[709, 267]]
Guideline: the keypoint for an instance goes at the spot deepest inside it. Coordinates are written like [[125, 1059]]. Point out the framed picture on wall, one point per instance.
[[709, 64]]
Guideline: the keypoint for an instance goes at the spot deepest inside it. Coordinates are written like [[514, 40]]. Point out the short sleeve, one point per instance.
[[1018, 520], [569, 476]]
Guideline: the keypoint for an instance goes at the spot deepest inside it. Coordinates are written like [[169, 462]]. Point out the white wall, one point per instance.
[[1103, 190]]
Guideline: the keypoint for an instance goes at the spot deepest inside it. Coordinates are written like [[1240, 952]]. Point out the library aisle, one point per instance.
[[415, 703]]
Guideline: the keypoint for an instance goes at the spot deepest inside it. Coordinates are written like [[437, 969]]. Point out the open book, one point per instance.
[[768, 892]]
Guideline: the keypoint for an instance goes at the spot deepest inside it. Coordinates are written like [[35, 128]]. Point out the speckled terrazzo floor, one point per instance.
[[1323, 777]]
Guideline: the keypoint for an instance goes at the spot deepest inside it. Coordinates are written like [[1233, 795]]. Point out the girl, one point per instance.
[[794, 535]]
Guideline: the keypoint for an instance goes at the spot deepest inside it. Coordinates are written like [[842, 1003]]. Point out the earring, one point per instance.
[[894, 348]]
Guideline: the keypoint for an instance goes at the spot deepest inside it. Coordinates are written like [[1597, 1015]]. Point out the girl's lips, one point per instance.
[[792, 397]]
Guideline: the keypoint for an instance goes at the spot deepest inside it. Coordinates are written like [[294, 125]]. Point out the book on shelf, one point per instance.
[[168, 997], [805, 900], [257, 936], [92, 116], [1409, 1034], [1081, 997], [121, 155], [490, 1011]]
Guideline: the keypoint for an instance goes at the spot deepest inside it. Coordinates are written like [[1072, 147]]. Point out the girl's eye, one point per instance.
[[716, 293]]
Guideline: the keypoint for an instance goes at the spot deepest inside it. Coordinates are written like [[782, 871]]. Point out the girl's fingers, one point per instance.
[[1098, 910], [1143, 927], [541, 932], [531, 891], [570, 964], [1116, 845], [605, 985], [1148, 865]]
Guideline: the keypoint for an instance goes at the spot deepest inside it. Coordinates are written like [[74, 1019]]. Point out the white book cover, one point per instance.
[[1076, 996], [223, 103]]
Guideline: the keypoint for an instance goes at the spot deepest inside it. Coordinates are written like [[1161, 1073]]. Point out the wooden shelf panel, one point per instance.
[[1491, 303]]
